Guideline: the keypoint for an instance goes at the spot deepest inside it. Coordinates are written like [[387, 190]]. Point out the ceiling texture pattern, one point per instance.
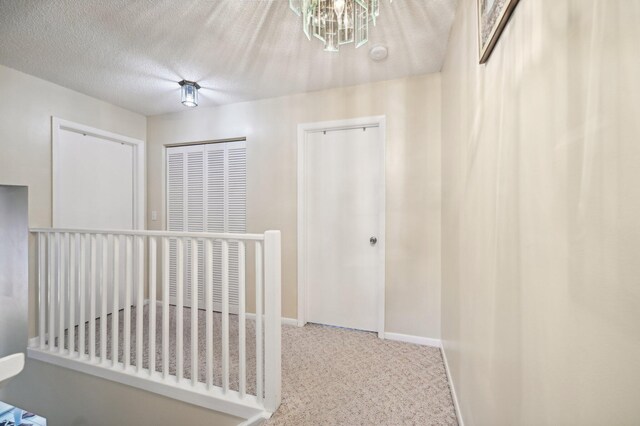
[[132, 53]]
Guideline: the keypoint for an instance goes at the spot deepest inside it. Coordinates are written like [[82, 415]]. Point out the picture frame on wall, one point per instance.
[[493, 16]]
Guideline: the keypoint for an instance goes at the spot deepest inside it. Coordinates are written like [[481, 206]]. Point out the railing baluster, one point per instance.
[[152, 305], [225, 316], [140, 304], [127, 302], [92, 305], [73, 275], [77, 268], [259, 375], [165, 307], [242, 366], [42, 302], [115, 315], [62, 260], [82, 285], [179, 306], [52, 292], [208, 296], [194, 312], [104, 296]]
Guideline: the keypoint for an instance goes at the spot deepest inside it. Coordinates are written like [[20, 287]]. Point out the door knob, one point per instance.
[[373, 241]]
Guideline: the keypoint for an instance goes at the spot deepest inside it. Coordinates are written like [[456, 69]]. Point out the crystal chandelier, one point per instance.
[[336, 22]]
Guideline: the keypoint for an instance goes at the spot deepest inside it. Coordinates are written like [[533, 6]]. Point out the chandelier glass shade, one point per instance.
[[337, 22]]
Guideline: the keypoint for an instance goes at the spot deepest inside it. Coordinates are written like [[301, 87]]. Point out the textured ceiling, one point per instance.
[[132, 53]]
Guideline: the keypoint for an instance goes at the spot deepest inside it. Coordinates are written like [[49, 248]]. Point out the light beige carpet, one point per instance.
[[334, 376], [330, 376]]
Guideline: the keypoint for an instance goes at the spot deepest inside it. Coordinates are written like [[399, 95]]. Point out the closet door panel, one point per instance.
[[175, 207], [236, 208], [216, 188], [195, 208]]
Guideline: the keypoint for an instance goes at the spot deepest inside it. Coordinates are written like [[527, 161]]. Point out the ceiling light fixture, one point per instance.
[[189, 93], [337, 22]]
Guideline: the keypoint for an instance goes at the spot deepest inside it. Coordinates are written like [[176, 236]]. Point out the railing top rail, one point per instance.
[[202, 235]]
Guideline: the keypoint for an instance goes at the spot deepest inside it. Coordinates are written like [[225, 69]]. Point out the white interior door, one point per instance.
[[344, 193], [94, 182], [94, 189]]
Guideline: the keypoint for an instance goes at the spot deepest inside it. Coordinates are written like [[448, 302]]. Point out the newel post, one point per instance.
[[272, 308]]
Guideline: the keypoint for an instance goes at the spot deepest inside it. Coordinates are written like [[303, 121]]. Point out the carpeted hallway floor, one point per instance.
[[335, 376], [330, 376]]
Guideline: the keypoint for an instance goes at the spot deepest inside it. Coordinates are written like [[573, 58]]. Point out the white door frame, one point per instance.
[[303, 131], [138, 145]]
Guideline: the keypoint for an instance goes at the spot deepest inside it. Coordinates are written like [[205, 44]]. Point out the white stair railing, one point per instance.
[[91, 276]]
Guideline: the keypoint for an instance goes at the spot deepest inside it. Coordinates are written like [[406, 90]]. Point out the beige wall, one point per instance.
[[412, 108], [26, 106], [70, 398], [541, 208]]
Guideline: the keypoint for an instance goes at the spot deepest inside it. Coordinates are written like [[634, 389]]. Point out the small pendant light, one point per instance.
[[189, 93]]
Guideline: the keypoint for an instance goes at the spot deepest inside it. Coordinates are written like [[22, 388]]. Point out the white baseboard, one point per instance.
[[289, 321], [285, 320], [454, 396], [418, 340], [249, 316]]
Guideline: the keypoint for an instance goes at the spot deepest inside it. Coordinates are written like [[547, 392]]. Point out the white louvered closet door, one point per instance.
[[206, 191], [185, 187]]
